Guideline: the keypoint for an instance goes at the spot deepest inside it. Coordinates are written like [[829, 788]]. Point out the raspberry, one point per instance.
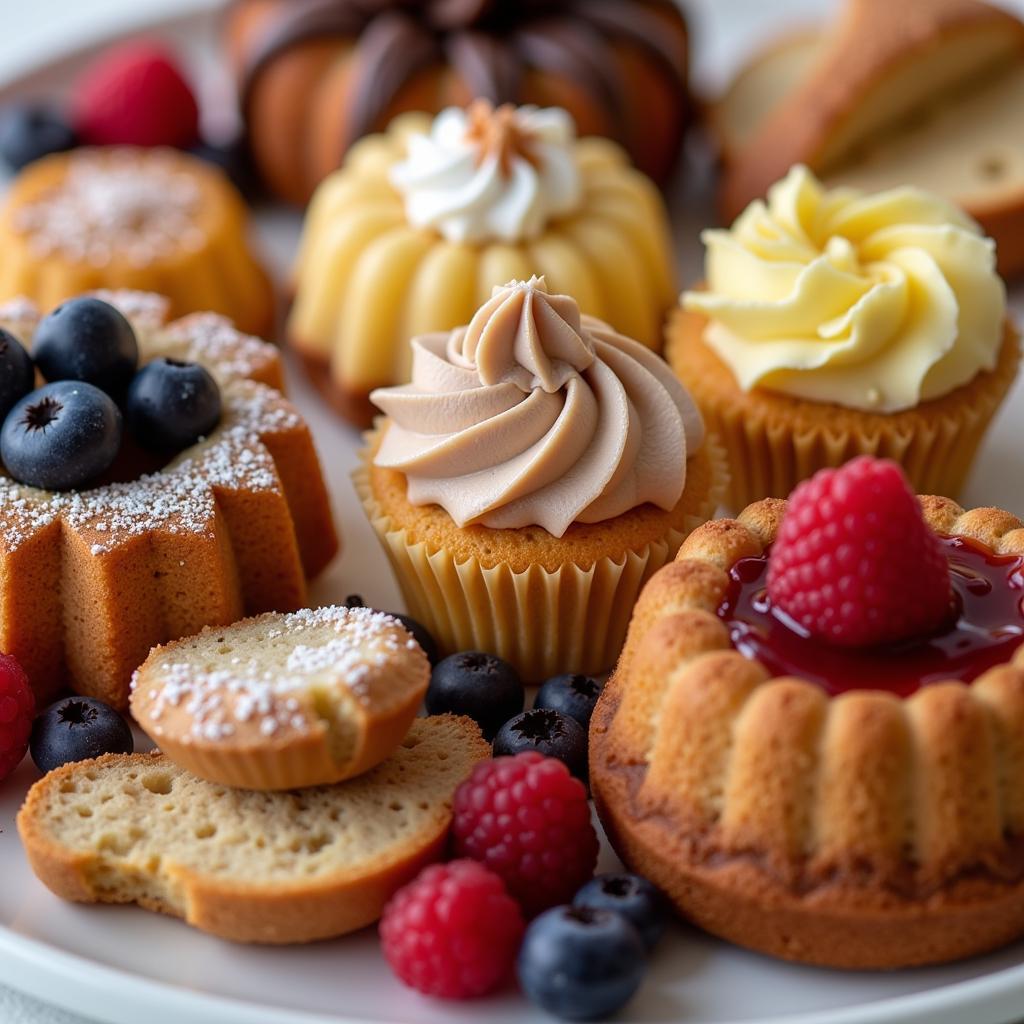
[[17, 706], [855, 563], [528, 820], [135, 95], [453, 932]]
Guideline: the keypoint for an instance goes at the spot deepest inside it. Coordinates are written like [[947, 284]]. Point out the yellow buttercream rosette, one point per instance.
[[875, 302]]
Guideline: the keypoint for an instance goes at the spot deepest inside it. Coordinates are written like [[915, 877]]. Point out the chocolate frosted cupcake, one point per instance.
[[836, 323], [530, 479]]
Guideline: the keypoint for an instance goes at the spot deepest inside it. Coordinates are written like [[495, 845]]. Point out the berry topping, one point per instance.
[[854, 562], [171, 405], [638, 900], [233, 159], [528, 819], [87, 339], [17, 374], [420, 633], [135, 95], [549, 733], [61, 437], [17, 706], [581, 964], [573, 695], [479, 685], [75, 729], [28, 132], [453, 932]]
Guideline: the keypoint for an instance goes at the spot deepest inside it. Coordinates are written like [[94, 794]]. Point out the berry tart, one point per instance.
[[536, 471], [836, 323], [137, 507], [813, 739], [411, 235], [155, 220], [314, 77]]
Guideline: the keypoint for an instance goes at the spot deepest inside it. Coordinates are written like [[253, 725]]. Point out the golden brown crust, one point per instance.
[[774, 441], [242, 910], [859, 831]]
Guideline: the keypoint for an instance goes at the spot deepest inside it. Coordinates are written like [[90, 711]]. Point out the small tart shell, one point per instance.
[[860, 831], [339, 725], [546, 604], [775, 441]]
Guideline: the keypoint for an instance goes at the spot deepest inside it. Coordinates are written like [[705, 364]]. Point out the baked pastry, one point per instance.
[[836, 805], [315, 863], [536, 471], [316, 75], [924, 92], [154, 220], [412, 235], [283, 701], [93, 579], [835, 323]]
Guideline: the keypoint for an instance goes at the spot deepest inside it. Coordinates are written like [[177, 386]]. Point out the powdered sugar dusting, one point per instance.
[[213, 339], [271, 692], [138, 205]]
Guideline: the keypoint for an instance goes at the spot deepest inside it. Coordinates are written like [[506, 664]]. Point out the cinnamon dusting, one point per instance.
[[498, 132]]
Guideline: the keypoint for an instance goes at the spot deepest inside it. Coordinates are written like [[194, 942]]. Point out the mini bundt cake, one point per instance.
[[154, 220], [423, 221], [90, 580], [833, 821], [316, 75]]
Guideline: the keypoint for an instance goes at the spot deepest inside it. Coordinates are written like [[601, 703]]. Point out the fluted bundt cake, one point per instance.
[[91, 579], [316, 75], [155, 220], [798, 788], [413, 233]]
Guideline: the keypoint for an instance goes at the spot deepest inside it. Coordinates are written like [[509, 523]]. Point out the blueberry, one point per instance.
[[77, 728], [548, 732], [28, 132], [573, 695], [17, 374], [87, 339], [62, 436], [232, 158], [581, 964], [638, 900], [420, 633], [479, 685], [171, 405]]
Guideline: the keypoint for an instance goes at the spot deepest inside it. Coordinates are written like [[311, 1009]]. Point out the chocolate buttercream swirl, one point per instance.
[[534, 415]]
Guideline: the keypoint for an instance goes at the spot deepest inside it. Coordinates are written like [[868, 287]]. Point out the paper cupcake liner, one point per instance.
[[542, 622], [774, 442]]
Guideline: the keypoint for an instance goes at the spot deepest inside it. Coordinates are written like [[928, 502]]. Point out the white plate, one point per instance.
[[124, 965]]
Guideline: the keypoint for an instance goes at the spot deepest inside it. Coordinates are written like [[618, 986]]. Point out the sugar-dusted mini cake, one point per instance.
[[835, 323], [411, 235], [314, 77], [155, 220], [814, 739], [282, 701], [536, 471], [235, 523]]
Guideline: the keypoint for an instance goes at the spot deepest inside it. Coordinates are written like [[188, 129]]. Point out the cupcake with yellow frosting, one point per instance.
[[532, 476], [835, 323], [421, 222]]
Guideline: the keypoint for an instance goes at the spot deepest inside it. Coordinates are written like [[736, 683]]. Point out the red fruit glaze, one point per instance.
[[135, 95], [855, 563], [453, 932], [528, 820], [17, 709], [987, 629]]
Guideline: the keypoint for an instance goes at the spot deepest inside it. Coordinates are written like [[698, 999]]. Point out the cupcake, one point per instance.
[[532, 476], [421, 222], [835, 323]]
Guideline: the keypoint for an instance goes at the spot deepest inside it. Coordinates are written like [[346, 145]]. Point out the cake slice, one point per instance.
[[244, 865], [924, 92]]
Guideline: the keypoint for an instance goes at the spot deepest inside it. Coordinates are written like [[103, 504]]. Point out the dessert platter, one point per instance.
[[447, 574]]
